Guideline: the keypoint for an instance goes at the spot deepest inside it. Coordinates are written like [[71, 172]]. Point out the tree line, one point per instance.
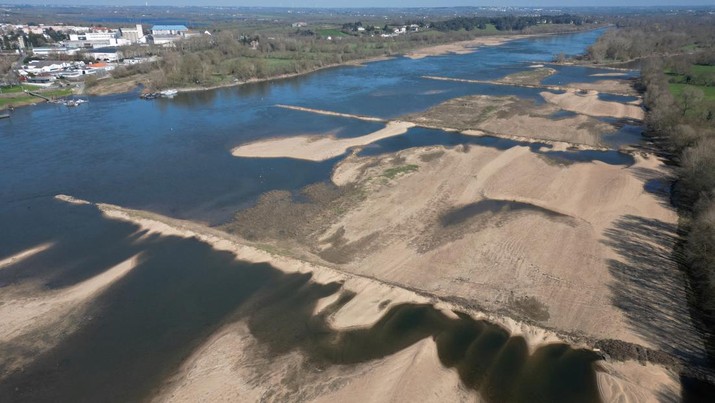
[[507, 23], [682, 124]]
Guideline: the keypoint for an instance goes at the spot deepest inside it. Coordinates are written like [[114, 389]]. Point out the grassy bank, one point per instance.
[[20, 98]]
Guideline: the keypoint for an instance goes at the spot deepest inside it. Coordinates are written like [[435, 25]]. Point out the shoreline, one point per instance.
[[369, 292], [462, 46]]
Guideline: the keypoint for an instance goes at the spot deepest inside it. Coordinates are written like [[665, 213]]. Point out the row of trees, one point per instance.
[[225, 55], [507, 23], [645, 37], [683, 125]]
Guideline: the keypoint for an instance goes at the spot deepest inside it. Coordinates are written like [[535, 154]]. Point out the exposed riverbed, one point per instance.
[[366, 251]]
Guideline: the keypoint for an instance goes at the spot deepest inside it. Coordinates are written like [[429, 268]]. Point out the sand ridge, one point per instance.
[[222, 369], [589, 104]]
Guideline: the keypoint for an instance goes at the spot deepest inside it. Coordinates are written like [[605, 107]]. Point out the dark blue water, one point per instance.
[[577, 74], [173, 156], [616, 98], [421, 137]]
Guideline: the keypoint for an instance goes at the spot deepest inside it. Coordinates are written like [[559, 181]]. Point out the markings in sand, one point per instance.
[[590, 104]]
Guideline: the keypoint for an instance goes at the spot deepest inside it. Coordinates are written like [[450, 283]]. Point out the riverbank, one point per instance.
[[20, 99], [237, 360], [458, 231], [104, 87]]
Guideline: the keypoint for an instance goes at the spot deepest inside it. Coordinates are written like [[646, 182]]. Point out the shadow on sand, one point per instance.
[[146, 324]]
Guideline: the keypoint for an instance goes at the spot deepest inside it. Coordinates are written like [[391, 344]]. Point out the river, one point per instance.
[[172, 157]]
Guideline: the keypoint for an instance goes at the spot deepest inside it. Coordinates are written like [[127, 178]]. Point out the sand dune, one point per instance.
[[230, 365], [589, 104]]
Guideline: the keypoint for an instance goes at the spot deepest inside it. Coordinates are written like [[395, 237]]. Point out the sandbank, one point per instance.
[[463, 47], [316, 148]]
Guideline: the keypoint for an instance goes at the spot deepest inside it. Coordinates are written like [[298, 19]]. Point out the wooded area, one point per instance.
[[677, 58]]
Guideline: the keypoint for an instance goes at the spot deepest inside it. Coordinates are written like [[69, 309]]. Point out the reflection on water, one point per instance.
[[146, 324]]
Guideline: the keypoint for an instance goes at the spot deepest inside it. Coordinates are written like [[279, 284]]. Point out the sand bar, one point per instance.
[[331, 113], [590, 104], [316, 148], [463, 47]]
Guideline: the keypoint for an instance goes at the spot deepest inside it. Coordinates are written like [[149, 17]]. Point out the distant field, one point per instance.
[[700, 77], [13, 89], [490, 28], [698, 73], [330, 32], [677, 90]]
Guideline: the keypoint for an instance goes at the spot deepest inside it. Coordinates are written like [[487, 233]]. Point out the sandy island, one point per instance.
[[316, 148], [463, 47]]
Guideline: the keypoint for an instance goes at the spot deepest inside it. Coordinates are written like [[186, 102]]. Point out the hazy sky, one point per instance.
[[372, 3]]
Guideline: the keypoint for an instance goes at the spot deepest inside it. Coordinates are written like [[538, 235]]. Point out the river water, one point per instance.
[[173, 157]]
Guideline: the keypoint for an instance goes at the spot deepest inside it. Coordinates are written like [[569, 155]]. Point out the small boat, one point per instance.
[[169, 93], [74, 102]]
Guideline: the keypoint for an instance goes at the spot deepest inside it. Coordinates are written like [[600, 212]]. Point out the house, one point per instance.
[[162, 39], [90, 40], [109, 54], [168, 30], [133, 35], [44, 80], [101, 67], [54, 51], [40, 67]]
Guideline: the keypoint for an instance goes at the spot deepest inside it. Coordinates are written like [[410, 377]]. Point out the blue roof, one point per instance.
[[169, 28]]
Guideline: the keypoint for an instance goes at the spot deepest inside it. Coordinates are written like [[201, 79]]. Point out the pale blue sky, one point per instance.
[[370, 3]]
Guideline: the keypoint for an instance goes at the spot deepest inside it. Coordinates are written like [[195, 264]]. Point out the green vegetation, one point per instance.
[[678, 89], [679, 99], [21, 99], [14, 89], [264, 50], [330, 32], [391, 173], [657, 36], [508, 23]]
